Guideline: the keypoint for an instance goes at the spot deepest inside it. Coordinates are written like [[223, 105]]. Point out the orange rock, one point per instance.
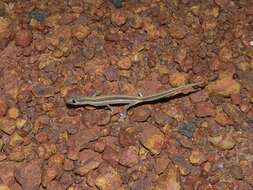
[[169, 180], [222, 118], [29, 175], [125, 63], [197, 157], [3, 107], [225, 142], [152, 138], [7, 125], [204, 109], [80, 32], [13, 113], [108, 179], [225, 86], [225, 54], [177, 79], [129, 156], [23, 38], [118, 17], [177, 31]]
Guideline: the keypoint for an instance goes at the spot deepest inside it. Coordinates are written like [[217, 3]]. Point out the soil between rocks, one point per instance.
[[52, 50]]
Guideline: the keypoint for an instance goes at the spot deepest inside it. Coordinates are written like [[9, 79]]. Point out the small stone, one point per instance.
[[117, 3], [152, 139], [23, 38], [225, 54], [13, 113], [4, 187], [225, 86], [17, 154], [2, 157], [169, 180], [108, 179], [236, 172], [177, 31], [126, 138], [89, 160], [225, 142], [45, 91], [16, 139], [136, 21], [161, 164], [118, 17], [20, 123], [111, 74], [29, 175], [129, 156], [39, 15], [141, 114], [222, 118], [222, 3], [204, 109], [3, 107], [177, 79], [7, 125], [125, 63], [80, 32], [187, 129], [1, 144], [197, 157]]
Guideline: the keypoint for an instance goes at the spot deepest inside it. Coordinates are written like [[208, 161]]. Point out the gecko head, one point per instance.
[[73, 101]]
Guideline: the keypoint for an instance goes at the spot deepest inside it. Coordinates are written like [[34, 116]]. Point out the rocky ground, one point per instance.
[[54, 49]]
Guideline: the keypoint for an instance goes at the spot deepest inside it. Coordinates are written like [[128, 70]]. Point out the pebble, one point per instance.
[[13, 113], [225, 54], [29, 175], [197, 157], [168, 180], [23, 38], [108, 179], [177, 31], [89, 160], [224, 86], [17, 154], [39, 15], [117, 3], [80, 32], [188, 129], [16, 139], [141, 114], [3, 107], [177, 79], [204, 109], [225, 142], [4, 187], [222, 118], [124, 63], [129, 156], [152, 138], [118, 17], [7, 125]]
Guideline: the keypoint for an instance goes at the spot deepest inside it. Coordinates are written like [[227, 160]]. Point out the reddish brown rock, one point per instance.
[[141, 114], [152, 138], [197, 157], [129, 156], [222, 3], [169, 180], [3, 107], [118, 17], [53, 169], [161, 164], [222, 118], [178, 31], [204, 109], [83, 137], [23, 38], [110, 155], [80, 32], [177, 79], [29, 175], [225, 86], [11, 80], [89, 160], [108, 179], [225, 54], [124, 63], [225, 142], [13, 113], [54, 185], [7, 125], [126, 138]]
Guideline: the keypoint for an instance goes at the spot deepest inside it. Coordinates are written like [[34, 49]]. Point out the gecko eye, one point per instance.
[[73, 101]]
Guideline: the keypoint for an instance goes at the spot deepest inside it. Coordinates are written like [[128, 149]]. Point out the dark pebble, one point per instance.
[[39, 15], [117, 3], [187, 129]]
